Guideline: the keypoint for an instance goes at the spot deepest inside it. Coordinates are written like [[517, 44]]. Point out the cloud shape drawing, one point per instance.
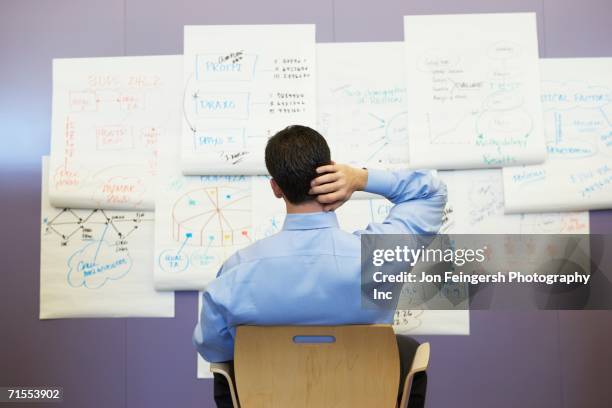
[[95, 264]]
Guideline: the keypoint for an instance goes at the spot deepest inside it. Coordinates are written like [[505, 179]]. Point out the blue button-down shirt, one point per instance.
[[310, 272]]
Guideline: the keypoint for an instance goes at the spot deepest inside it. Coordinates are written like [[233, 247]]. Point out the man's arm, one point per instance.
[[419, 196], [211, 336]]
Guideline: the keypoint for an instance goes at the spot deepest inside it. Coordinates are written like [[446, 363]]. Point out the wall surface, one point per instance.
[[545, 359]]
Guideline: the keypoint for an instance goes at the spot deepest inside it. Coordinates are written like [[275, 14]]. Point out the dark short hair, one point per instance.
[[292, 157]]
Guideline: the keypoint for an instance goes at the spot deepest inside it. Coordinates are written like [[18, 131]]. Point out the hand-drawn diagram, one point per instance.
[[578, 124], [473, 104], [111, 117], [97, 263], [241, 85], [209, 217], [362, 103], [201, 221], [103, 240], [477, 201], [205, 215]]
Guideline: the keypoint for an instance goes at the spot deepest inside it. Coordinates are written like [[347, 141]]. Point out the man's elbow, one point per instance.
[[437, 186], [442, 201], [442, 192], [436, 214], [215, 354]]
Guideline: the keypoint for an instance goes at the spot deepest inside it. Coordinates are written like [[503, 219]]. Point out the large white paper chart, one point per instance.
[[357, 214], [476, 206], [97, 263], [203, 366], [577, 102], [268, 211], [474, 91], [200, 222], [242, 84], [111, 117], [361, 108]]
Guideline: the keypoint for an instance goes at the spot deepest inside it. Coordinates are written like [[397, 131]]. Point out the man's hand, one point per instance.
[[336, 184]]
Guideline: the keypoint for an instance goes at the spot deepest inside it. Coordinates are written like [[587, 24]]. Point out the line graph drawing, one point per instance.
[[501, 122], [473, 104]]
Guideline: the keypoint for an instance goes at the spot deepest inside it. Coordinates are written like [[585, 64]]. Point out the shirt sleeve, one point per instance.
[[419, 198], [212, 337]]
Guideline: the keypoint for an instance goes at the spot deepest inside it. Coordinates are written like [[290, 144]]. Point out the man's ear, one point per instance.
[[278, 193]]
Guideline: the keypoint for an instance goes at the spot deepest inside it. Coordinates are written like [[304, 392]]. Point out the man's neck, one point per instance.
[[303, 208]]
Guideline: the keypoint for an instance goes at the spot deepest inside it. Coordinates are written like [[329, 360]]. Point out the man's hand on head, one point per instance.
[[336, 184]]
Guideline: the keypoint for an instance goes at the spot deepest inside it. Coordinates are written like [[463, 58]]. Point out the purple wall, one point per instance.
[[546, 359]]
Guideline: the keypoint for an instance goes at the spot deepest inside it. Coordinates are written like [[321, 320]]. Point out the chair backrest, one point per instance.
[[316, 366]]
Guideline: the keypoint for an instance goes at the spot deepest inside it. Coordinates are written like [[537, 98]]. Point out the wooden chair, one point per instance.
[[318, 366]]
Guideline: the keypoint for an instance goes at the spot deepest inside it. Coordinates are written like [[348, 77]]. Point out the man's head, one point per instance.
[[292, 156]]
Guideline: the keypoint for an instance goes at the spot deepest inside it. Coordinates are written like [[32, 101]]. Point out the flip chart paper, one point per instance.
[[362, 103], [474, 91], [242, 84], [577, 102], [268, 211], [200, 222], [97, 263], [476, 206], [111, 118]]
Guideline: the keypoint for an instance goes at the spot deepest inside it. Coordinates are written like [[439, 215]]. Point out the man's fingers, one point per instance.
[[328, 168], [326, 188], [332, 207], [326, 178], [330, 198]]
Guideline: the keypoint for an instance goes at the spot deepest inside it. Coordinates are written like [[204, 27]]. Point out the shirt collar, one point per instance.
[[307, 221]]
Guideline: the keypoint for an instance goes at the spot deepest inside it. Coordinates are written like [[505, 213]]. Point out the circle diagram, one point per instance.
[[212, 217]]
